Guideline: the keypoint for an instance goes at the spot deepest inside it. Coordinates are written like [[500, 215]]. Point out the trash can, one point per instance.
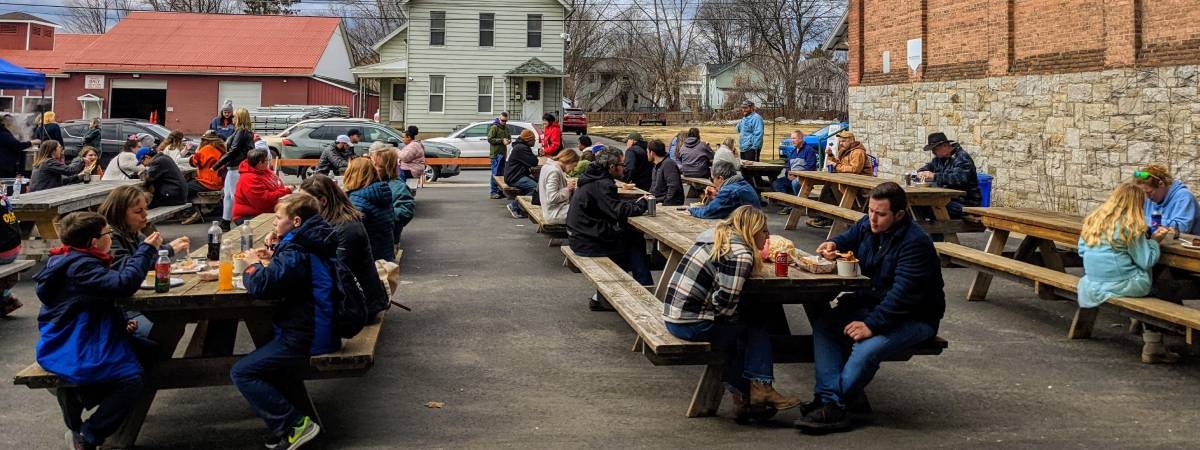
[[985, 189]]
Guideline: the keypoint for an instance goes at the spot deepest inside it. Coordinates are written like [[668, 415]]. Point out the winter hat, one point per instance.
[[343, 139], [227, 106], [143, 152], [262, 145], [634, 136], [527, 135], [145, 139]]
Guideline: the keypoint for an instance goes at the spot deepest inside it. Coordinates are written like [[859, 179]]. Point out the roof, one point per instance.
[[385, 69], [837, 39], [565, 4], [713, 70], [166, 42], [51, 62], [535, 67], [394, 33], [23, 17]]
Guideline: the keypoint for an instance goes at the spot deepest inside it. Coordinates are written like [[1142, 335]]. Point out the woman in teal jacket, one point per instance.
[[1118, 258], [386, 162]]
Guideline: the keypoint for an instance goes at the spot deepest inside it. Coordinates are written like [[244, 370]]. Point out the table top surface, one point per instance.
[[697, 180], [870, 182], [55, 197], [756, 166], [196, 294], [1066, 223]]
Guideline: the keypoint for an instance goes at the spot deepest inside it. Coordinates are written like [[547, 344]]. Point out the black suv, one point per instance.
[[113, 134]]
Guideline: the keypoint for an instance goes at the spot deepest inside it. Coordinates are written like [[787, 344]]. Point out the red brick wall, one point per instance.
[[976, 38], [12, 35]]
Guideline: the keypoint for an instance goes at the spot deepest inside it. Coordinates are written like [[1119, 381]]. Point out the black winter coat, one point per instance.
[[519, 163], [54, 173], [166, 180], [236, 148], [957, 172], [667, 186], [596, 220], [354, 250], [12, 153], [92, 139], [638, 169]]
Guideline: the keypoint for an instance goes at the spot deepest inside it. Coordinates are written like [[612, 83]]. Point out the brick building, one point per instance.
[[1060, 100]]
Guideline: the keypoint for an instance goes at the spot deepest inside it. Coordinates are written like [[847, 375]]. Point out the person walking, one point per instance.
[[498, 141], [750, 132], [412, 156]]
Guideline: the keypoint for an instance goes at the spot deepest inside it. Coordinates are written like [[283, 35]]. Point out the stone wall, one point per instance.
[[1057, 141]]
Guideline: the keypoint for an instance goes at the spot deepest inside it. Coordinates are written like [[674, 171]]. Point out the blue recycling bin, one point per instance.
[[985, 190]]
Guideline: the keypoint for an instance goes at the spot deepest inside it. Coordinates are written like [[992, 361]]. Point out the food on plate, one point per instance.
[[239, 255], [776, 244], [187, 264], [816, 264], [208, 275]]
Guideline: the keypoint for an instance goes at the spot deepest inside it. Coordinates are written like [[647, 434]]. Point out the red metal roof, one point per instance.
[[66, 48], [190, 43]]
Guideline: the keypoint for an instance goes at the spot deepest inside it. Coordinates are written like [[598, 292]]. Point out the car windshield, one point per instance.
[[158, 129]]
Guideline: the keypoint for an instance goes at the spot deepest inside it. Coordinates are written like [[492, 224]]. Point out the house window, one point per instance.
[[437, 93], [6, 104], [487, 29], [485, 95], [437, 28], [398, 91], [30, 104], [533, 37]]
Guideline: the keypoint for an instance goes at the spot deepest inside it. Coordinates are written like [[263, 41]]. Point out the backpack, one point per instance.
[[350, 311]]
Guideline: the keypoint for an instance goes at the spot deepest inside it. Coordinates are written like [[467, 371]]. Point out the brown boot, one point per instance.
[[1154, 351], [196, 217], [761, 393]]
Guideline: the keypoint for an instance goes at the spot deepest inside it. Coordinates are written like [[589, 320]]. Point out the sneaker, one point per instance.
[[785, 211], [516, 212], [75, 442], [495, 196], [828, 418], [597, 304], [819, 223], [8, 305], [275, 442], [304, 431]]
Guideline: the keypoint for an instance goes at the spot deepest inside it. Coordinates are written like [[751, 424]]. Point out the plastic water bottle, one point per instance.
[[214, 241], [18, 184], [247, 237], [162, 272]]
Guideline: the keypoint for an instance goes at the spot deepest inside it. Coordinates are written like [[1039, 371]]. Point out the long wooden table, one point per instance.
[[1042, 230], [850, 186], [761, 175], [43, 208]]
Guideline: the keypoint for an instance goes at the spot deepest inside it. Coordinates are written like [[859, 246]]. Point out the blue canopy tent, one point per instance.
[[13, 76]]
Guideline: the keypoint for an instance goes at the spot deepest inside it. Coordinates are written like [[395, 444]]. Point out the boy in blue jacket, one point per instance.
[[301, 272], [84, 336], [729, 191]]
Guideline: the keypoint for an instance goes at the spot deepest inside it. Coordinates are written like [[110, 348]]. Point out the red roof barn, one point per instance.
[[182, 66]]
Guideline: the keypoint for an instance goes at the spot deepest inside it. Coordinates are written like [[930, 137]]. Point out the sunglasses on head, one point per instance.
[[1144, 175]]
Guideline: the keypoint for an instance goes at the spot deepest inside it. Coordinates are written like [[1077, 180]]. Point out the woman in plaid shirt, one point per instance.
[[702, 305]]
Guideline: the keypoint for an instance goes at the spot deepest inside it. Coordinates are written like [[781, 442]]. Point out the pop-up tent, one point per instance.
[[16, 77]]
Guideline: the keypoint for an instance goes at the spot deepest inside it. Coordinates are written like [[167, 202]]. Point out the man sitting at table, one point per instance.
[[803, 158], [951, 168], [667, 186], [597, 221], [851, 158], [901, 308], [728, 192], [162, 178]]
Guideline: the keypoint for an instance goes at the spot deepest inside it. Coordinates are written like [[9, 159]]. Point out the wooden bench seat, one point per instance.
[[1007, 267], [535, 215], [802, 205], [509, 191], [15, 267], [164, 213]]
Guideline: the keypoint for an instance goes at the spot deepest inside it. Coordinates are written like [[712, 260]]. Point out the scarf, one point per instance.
[[104, 257]]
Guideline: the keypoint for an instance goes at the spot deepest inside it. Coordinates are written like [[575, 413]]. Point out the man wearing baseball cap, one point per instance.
[[337, 156], [750, 132], [163, 178], [951, 168]]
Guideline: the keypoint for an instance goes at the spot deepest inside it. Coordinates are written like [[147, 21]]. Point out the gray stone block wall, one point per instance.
[[1059, 142]]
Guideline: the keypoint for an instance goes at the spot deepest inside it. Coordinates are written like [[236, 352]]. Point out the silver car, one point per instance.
[[471, 140]]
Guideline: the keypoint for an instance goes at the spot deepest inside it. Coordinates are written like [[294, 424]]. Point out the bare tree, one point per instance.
[[781, 33], [366, 22], [270, 7], [195, 6], [590, 39], [93, 16], [727, 37], [664, 39]]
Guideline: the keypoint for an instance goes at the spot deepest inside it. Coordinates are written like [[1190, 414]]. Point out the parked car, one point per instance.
[[472, 139], [308, 138], [574, 119], [113, 134], [652, 115], [816, 140]]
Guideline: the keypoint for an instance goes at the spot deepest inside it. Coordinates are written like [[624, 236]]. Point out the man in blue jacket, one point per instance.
[[901, 308], [728, 192], [84, 336], [750, 132], [952, 168], [803, 158]]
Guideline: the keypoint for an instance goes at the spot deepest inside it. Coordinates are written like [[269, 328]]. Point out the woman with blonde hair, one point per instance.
[[702, 304], [387, 164], [174, 146], [1170, 198], [372, 198], [1118, 258], [236, 148], [554, 192], [49, 129]]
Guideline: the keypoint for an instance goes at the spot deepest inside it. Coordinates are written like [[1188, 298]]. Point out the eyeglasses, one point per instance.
[[106, 233]]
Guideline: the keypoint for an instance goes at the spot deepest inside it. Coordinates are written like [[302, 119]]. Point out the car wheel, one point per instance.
[[583, 131], [431, 173]]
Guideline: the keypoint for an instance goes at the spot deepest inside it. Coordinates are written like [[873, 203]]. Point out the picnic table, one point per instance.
[[851, 186], [761, 175], [43, 208], [209, 354]]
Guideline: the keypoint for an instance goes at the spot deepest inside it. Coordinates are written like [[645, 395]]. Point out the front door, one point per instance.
[[531, 109], [399, 92]]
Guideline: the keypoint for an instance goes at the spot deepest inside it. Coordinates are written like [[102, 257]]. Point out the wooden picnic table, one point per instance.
[[852, 185], [761, 175], [1044, 229], [43, 208]]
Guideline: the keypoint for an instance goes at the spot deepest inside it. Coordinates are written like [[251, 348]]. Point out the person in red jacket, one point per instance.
[[258, 188], [551, 135]]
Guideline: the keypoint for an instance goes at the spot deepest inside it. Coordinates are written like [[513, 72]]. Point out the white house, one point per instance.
[[456, 61], [719, 80]]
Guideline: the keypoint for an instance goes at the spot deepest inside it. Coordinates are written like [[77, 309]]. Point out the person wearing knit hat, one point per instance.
[[518, 170], [163, 178], [146, 140], [223, 123]]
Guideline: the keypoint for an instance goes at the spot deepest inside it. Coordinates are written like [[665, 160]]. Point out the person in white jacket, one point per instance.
[[125, 166], [554, 191], [725, 153]]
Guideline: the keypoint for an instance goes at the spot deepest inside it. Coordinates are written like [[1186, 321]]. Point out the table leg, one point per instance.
[[995, 246], [940, 214], [849, 197], [793, 220], [167, 334], [213, 338], [673, 259], [707, 397], [1051, 260]]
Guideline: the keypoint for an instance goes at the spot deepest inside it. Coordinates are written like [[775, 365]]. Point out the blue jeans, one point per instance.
[[231, 179], [526, 186], [113, 402], [746, 346], [844, 367], [784, 185], [265, 377], [497, 169]]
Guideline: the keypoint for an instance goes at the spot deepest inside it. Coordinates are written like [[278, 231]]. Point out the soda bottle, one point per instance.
[[214, 241], [247, 237], [162, 272], [225, 269]]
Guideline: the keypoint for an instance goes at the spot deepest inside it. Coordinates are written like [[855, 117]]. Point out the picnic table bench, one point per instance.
[[674, 233], [535, 215], [509, 192], [209, 353], [1044, 231], [761, 175]]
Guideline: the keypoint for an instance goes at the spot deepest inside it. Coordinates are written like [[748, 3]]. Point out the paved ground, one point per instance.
[[501, 334]]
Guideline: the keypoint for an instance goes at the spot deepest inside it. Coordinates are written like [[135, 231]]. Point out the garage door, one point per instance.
[[245, 94], [139, 84]]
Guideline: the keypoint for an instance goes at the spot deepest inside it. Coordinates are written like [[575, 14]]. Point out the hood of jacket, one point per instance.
[[377, 193], [594, 173], [54, 275], [315, 235], [1176, 186], [691, 142], [244, 167]]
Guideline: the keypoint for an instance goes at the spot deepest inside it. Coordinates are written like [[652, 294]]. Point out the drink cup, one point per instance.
[[847, 268]]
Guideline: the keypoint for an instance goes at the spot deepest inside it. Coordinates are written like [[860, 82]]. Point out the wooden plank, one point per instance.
[[706, 400], [983, 280], [356, 353], [305, 162], [597, 269], [1021, 270], [643, 312], [162, 213], [808, 203], [1161, 309], [462, 162], [535, 215], [15, 267]]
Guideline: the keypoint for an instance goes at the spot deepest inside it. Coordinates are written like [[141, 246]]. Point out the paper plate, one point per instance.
[[175, 282]]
